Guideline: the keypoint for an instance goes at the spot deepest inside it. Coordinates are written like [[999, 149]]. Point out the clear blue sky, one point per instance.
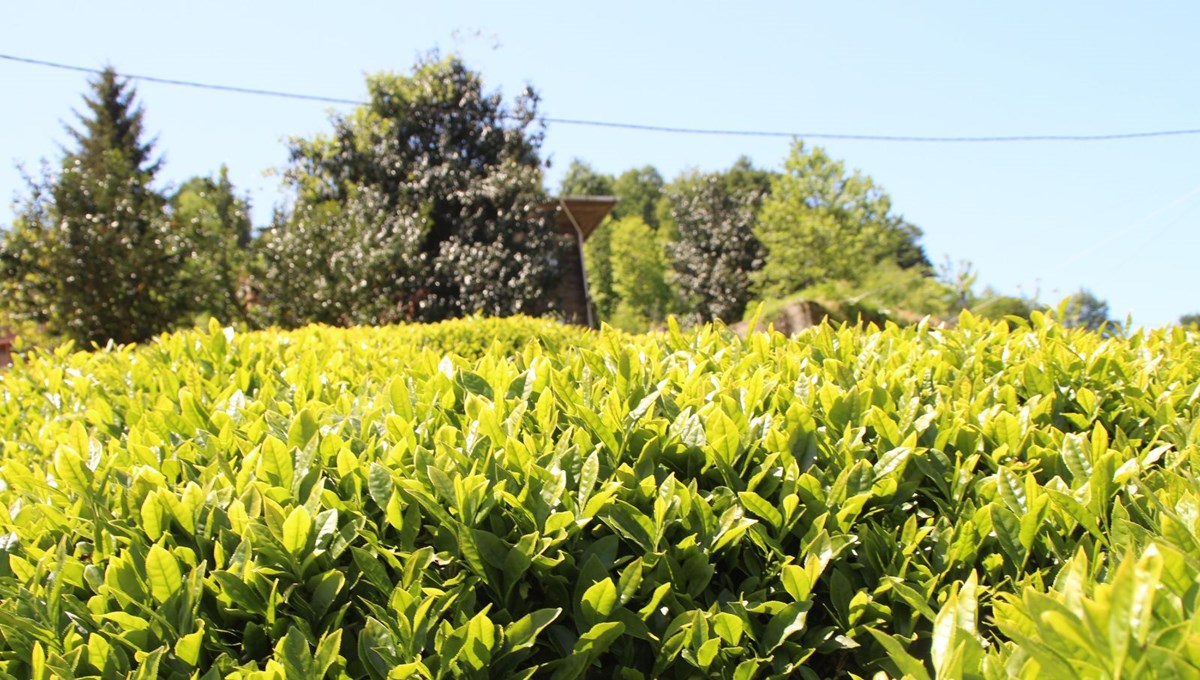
[[1119, 217]]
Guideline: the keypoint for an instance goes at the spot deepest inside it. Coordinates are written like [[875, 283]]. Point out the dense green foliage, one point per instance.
[[217, 268], [475, 337], [820, 224], [93, 254], [582, 179], [722, 239], [341, 264], [715, 251], [640, 191], [986, 502], [639, 268], [425, 203]]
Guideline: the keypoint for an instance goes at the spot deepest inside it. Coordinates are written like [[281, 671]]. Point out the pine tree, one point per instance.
[[114, 123], [91, 254]]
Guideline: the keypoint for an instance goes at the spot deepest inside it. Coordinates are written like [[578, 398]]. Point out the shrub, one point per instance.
[[980, 502]]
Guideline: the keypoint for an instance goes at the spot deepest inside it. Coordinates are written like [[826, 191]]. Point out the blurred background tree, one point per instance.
[[639, 267], [448, 167], [93, 255], [1084, 310], [715, 251], [216, 222], [820, 223]]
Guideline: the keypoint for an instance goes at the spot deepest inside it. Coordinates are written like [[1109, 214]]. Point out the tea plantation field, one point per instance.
[[518, 499]]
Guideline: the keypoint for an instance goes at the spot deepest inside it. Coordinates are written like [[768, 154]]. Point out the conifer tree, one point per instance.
[[113, 123], [91, 254]]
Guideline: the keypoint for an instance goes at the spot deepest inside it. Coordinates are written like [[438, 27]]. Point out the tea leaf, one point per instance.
[[599, 600], [162, 573], [296, 530]]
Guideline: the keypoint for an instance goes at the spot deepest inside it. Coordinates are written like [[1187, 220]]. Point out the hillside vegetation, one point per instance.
[[414, 501]]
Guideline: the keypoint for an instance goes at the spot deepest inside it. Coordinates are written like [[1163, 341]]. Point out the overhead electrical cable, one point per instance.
[[877, 138], [184, 83], [643, 127]]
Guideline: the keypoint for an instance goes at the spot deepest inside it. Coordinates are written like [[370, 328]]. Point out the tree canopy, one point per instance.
[[426, 202], [820, 223], [639, 192], [92, 254], [431, 197], [640, 269], [1084, 310], [113, 123], [216, 222], [581, 179], [716, 252]]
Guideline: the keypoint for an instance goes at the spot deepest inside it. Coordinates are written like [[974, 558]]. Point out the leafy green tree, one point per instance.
[[357, 262], [958, 282], [581, 179], [216, 223], [639, 192], [994, 305], [745, 179], [1084, 310], [820, 223], [639, 269], [716, 251], [597, 256], [901, 294], [93, 254], [447, 166], [1189, 320]]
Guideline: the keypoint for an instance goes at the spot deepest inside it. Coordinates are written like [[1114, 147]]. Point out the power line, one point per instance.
[[878, 138], [185, 83], [642, 127]]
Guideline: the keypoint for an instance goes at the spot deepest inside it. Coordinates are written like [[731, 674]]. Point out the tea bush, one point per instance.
[[984, 502]]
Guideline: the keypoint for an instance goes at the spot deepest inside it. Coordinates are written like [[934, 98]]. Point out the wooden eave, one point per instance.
[[584, 212]]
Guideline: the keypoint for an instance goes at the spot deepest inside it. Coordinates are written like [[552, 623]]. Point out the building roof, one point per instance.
[[584, 212]]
